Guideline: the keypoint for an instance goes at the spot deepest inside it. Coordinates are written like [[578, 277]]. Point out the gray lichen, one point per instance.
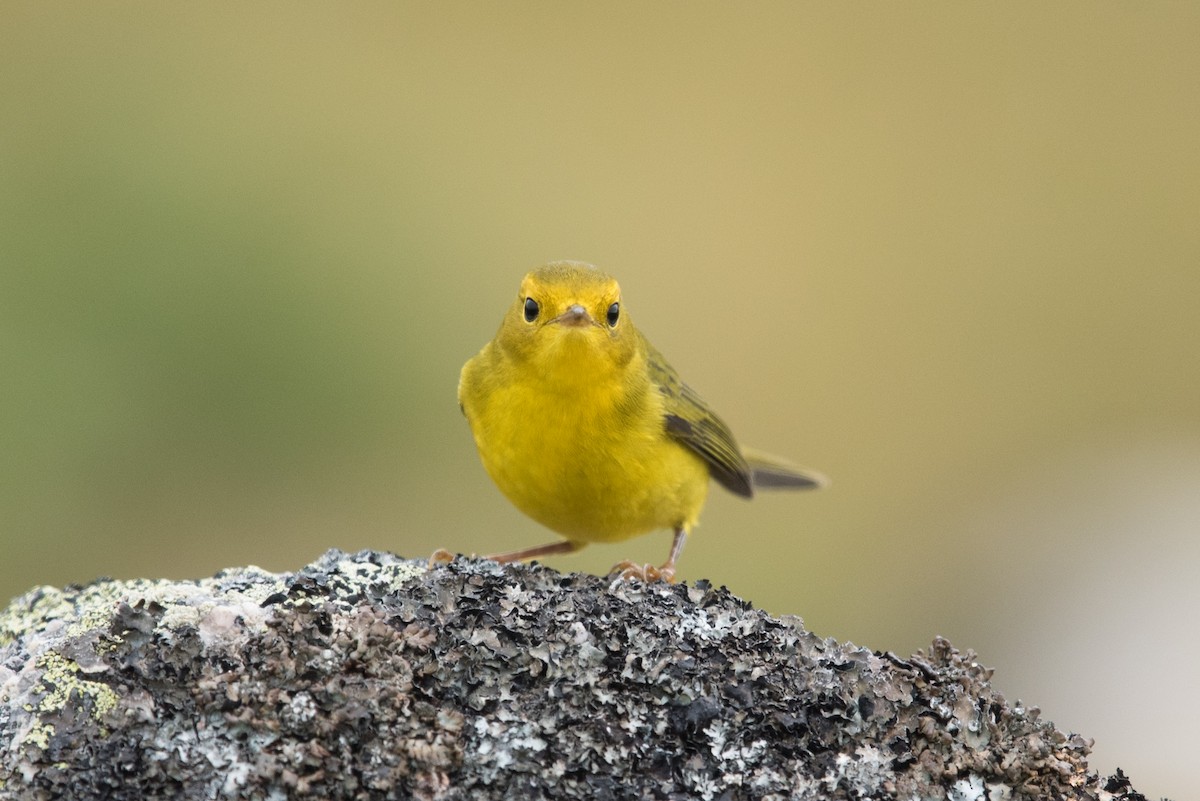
[[367, 676]]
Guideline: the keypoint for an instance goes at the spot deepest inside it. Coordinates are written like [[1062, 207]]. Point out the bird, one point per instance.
[[586, 428]]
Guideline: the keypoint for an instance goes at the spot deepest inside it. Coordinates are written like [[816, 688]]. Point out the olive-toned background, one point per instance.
[[947, 253]]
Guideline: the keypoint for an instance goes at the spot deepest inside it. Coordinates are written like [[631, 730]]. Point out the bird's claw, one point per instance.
[[642, 572], [440, 557]]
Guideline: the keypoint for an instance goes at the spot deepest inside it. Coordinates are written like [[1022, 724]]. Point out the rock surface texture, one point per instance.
[[366, 676]]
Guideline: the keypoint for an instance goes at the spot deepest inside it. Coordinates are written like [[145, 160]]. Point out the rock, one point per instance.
[[367, 676]]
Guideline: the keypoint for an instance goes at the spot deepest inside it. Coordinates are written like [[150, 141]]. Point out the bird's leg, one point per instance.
[[565, 546], [676, 548], [648, 573], [441, 556]]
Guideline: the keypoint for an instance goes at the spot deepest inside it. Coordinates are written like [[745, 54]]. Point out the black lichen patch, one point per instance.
[[368, 677]]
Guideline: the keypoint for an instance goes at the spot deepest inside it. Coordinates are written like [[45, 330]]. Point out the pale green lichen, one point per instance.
[[398, 574], [62, 683], [264, 583], [61, 677], [93, 606], [32, 611], [82, 610], [39, 735]]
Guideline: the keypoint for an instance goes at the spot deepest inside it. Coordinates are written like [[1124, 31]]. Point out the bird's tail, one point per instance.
[[771, 472]]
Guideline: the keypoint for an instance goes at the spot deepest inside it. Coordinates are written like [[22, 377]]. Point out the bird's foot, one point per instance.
[[440, 557], [644, 573]]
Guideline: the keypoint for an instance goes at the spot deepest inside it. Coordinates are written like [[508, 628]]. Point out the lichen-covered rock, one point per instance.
[[366, 676]]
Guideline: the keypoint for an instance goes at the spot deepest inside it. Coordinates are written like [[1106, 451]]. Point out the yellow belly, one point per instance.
[[585, 468]]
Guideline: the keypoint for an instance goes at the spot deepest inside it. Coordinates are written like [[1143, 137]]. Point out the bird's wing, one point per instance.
[[690, 421]]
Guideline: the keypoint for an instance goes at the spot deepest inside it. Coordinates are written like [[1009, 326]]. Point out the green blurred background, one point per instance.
[[948, 254]]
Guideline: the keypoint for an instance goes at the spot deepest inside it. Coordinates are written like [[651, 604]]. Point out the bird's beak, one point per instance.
[[574, 316]]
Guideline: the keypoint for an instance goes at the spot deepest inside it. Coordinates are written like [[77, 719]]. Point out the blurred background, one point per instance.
[[947, 254]]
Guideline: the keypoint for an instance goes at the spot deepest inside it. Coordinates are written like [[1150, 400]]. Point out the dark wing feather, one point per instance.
[[690, 421]]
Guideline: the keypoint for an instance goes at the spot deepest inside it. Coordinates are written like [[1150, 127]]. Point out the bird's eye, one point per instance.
[[531, 310], [614, 312]]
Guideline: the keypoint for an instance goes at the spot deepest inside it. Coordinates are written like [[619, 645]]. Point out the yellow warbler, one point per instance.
[[585, 427]]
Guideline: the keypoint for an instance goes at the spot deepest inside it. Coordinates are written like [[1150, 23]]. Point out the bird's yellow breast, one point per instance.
[[579, 448]]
